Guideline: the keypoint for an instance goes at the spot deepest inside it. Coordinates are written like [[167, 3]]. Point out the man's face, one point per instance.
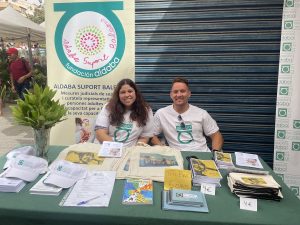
[[180, 94], [12, 56]]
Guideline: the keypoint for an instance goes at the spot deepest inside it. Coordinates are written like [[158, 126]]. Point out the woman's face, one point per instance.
[[127, 96]]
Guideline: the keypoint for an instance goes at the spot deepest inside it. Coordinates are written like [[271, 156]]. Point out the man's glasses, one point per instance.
[[182, 124]]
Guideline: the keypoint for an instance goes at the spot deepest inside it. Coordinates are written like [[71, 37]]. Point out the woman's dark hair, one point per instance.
[[139, 108]]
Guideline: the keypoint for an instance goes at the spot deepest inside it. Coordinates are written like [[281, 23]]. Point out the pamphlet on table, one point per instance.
[[248, 160], [93, 191], [205, 171], [111, 149], [10, 184], [138, 192], [41, 188], [184, 200]]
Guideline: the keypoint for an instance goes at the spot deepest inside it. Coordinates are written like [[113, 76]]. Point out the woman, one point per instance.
[[126, 117]]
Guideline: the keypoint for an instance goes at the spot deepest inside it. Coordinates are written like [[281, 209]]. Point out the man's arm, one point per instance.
[[12, 83], [155, 141], [23, 78], [217, 141]]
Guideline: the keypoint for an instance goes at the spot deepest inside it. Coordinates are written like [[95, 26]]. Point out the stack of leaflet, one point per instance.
[[223, 160], [184, 200], [40, 188], [11, 184], [254, 186], [205, 171]]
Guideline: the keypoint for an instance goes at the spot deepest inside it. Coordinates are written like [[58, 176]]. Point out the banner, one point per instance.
[[90, 47], [287, 127]]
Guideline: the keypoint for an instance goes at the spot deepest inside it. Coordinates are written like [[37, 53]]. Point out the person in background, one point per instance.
[[20, 72], [81, 133], [184, 125], [126, 118]]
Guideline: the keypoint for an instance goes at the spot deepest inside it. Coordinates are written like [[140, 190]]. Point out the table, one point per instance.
[[26, 209]]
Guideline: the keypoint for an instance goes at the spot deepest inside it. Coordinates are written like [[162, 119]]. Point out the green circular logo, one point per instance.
[[89, 38]]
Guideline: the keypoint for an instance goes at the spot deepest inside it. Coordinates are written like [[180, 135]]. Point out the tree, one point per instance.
[[38, 15]]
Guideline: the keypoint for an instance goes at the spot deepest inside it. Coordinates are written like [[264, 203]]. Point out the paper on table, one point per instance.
[[11, 184], [177, 179], [40, 188], [93, 191], [249, 160], [111, 149]]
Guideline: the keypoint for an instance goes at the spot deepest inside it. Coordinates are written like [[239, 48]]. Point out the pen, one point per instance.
[[87, 201]]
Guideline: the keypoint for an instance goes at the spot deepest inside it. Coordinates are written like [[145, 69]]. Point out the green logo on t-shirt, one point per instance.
[[122, 132], [184, 131]]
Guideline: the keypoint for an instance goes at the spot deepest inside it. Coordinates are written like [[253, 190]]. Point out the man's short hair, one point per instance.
[[180, 80]]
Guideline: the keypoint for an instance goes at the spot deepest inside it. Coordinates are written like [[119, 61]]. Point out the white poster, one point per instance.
[[287, 127], [90, 48]]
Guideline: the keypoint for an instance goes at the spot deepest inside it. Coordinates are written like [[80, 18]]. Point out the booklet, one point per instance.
[[248, 160], [205, 171], [167, 205], [186, 198], [223, 160], [111, 149], [138, 192]]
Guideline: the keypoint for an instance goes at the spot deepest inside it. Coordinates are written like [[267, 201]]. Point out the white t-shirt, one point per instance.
[[186, 134], [128, 132]]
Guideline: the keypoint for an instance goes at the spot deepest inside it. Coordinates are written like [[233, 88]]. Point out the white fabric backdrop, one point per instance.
[[287, 128]]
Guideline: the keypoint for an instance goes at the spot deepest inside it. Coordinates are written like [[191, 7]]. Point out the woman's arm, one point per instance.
[[143, 140], [102, 135]]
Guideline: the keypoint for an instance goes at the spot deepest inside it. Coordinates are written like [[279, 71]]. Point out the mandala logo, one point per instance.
[[89, 38]]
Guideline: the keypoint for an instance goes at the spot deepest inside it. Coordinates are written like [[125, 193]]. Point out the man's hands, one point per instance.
[[22, 79]]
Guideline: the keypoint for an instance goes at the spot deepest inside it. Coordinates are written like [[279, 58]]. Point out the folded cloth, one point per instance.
[[65, 174], [26, 167], [25, 150]]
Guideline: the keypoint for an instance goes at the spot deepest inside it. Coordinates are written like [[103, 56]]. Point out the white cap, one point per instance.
[[25, 150], [65, 174], [26, 167]]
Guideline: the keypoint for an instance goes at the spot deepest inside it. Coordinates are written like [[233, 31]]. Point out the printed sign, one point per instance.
[[287, 135], [90, 48]]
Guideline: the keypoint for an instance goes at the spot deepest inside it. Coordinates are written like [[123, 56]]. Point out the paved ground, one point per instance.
[[11, 134]]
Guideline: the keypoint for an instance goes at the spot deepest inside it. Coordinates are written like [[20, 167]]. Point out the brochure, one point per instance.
[[111, 149], [138, 192], [248, 160]]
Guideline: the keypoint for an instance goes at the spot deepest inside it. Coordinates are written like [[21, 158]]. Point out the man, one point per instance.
[[185, 125], [19, 71]]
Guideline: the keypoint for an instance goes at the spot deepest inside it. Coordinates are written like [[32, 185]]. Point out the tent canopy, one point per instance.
[[14, 26]]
